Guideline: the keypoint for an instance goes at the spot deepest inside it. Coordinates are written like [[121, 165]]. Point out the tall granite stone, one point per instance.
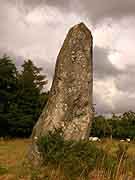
[[70, 100]]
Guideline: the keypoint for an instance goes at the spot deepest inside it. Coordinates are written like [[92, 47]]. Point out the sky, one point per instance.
[[36, 29]]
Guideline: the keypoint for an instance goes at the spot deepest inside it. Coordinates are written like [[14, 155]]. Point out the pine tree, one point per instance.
[[27, 106], [8, 83]]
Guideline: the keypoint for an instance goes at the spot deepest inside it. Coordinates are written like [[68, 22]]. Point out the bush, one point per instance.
[[74, 158]]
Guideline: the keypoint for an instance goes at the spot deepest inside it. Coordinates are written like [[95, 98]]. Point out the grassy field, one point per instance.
[[12, 153]]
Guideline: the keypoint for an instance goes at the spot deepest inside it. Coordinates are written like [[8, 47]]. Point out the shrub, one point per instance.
[[75, 158]]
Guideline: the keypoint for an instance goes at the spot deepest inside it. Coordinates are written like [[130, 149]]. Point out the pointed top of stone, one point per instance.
[[81, 27]]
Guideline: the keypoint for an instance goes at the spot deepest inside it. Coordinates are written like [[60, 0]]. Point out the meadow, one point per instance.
[[13, 152]]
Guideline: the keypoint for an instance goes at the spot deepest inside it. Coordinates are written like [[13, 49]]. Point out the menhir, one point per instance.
[[69, 105]]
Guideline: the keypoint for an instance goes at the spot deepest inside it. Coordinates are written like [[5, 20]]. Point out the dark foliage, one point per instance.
[[21, 97], [122, 126], [8, 84]]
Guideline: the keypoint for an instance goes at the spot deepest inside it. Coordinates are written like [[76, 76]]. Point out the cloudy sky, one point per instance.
[[36, 29]]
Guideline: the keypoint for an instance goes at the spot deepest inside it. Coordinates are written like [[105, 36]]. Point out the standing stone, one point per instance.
[[70, 100]]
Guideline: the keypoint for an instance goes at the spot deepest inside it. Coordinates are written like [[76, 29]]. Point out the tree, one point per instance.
[[8, 83], [31, 76], [27, 105], [101, 127]]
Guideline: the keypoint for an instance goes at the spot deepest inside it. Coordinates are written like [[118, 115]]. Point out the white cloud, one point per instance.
[[118, 37]]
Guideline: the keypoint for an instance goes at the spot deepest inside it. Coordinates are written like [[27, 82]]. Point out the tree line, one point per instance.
[[22, 97], [117, 126]]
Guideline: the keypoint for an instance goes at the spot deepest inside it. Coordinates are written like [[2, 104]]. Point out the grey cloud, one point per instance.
[[125, 81], [27, 5], [100, 105], [112, 8], [121, 103], [103, 68], [124, 103], [95, 10]]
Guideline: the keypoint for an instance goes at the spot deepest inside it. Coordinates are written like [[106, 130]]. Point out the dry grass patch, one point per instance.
[[12, 153]]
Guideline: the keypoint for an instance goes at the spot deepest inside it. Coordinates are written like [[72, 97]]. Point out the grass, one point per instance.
[[12, 153]]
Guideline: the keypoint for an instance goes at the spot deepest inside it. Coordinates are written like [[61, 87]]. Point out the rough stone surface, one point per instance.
[[70, 99]]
